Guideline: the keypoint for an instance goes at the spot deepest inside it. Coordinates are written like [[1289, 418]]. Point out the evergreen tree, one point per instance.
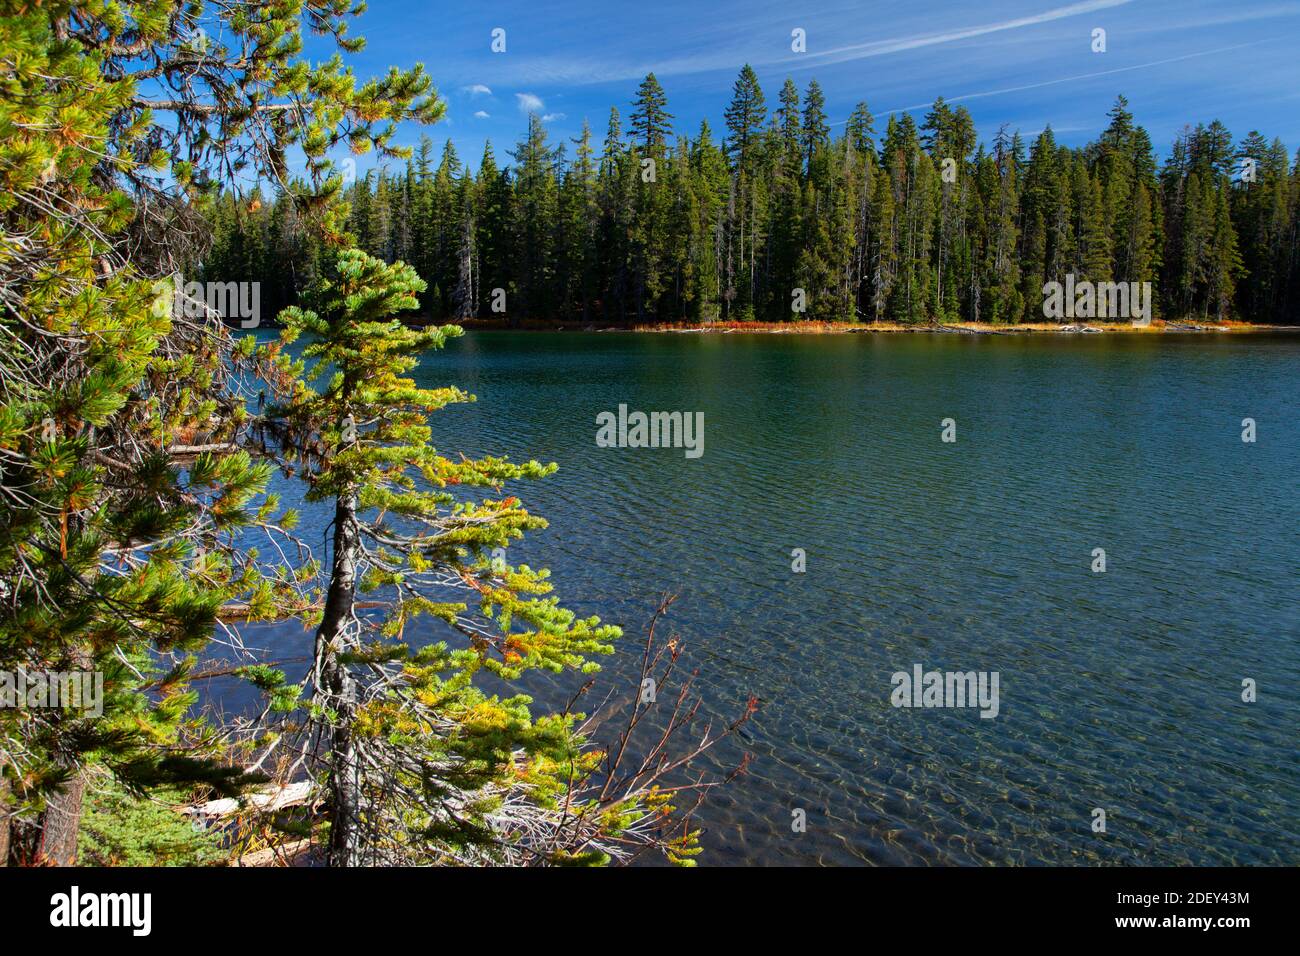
[[709, 188], [814, 132], [659, 230], [492, 225], [745, 117], [118, 554], [861, 129], [533, 206], [425, 765], [650, 118], [790, 123], [580, 212]]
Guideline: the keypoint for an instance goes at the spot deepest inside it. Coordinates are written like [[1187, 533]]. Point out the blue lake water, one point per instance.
[[1119, 690]]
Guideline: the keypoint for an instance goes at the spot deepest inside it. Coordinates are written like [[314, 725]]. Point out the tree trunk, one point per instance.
[[60, 822], [339, 688], [49, 838], [5, 824]]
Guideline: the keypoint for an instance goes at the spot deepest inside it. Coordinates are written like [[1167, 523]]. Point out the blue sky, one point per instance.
[[1026, 63]]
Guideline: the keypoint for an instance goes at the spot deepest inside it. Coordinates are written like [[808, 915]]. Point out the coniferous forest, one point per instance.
[[894, 222]]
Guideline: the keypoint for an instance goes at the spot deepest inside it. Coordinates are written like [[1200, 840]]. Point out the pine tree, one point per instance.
[[998, 185], [423, 226], [1225, 266], [422, 758], [580, 213], [974, 231], [379, 219], [534, 206], [464, 295], [1261, 212], [493, 224], [121, 486], [615, 188], [745, 117], [861, 129], [1094, 240], [883, 259], [649, 119], [790, 123], [709, 187], [128, 431], [814, 133]]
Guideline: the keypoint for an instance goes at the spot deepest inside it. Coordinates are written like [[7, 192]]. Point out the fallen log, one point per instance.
[[266, 800], [291, 854], [1193, 327], [961, 330]]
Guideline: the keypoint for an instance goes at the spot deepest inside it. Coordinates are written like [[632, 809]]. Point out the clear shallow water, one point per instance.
[[1118, 690]]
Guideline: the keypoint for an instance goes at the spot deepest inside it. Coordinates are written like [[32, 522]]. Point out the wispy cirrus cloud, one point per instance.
[[861, 51], [1223, 16], [1078, 76], [482, 114], [530, 103], [725, 53], [1025, 63]]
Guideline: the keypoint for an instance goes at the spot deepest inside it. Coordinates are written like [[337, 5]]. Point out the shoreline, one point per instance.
[[847, 328]]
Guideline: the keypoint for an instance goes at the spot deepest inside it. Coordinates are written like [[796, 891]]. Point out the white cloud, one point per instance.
[[480, 114], [530, 103], [1077, 77], [477, 89], [882, 47], [551, 117], [726, 55]]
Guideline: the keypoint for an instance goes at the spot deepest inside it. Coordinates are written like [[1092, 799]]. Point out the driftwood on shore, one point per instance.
[[266, 800], [958, 329], [270, 799], [297, 853]]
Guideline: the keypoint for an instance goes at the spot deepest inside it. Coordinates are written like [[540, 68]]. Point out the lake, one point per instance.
[[1118, 690]]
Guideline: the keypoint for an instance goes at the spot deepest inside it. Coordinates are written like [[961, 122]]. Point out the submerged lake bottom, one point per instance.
[[1069, 532]]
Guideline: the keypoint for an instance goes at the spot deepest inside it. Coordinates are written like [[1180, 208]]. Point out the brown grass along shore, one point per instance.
[[814, 327]]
